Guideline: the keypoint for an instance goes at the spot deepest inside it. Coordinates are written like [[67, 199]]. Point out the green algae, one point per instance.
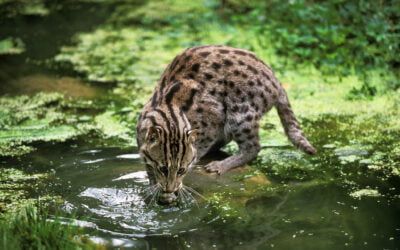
[[111, 125], [11, 46], [15, 186], [25, 120], [51, 117]]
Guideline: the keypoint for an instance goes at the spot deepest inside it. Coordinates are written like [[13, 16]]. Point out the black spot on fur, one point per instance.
[[212, 92], [223, 51], [236, 72], [239, 52], [252, 56], [172, 78], [238, 92], [202, 83], [252, 69], [199, 110], [244, 75], [204, 124], [241, 62], [205, 54], [235, 108], [250, 94], [195, 67], [189, 76], [267, 89], [180, 69], [228, 62], [216, 66], [251, 83], [249, 118], [266, 75], [246, 130], [231, 84], [220, 81], [208, 76], [223, 93], [225, 107], [250, 137], [259, 82], [187, 58]]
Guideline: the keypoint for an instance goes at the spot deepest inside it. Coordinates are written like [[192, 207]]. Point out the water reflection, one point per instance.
[[106, 188]]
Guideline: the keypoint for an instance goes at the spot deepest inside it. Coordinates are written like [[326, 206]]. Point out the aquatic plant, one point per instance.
[[31, 228]]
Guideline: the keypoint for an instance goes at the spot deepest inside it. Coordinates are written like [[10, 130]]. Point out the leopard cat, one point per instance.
[[208, 96]]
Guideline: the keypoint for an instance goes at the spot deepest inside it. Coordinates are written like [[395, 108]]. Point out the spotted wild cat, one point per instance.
[[208, 96]]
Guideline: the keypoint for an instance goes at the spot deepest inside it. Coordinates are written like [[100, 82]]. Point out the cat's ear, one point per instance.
[[153, 134], [192, 134]]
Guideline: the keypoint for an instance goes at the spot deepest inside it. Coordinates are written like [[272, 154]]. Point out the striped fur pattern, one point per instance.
[[208, 96]]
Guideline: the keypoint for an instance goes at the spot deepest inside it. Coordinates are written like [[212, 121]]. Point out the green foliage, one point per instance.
[[24, 120], [31, 229], [335, 36], [366, 91], [11, 8]]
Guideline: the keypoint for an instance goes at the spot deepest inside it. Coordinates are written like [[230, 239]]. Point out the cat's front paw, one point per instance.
[[216, 166]]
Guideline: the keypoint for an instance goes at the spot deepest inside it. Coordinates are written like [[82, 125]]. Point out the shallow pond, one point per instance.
[[106, 187]]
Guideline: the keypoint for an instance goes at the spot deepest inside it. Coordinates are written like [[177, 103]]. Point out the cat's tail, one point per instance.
[[291, 125]]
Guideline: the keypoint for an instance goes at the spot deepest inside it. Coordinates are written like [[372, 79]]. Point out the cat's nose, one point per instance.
[[167, 199]]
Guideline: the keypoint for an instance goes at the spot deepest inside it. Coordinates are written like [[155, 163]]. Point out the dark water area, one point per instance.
[[33, 70]]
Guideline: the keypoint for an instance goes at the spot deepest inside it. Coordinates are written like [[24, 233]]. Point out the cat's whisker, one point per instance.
[[190, 196], [194, 191]]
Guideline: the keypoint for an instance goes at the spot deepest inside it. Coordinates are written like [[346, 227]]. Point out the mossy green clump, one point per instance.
[[14, 186], [11, 46], [24, 120]]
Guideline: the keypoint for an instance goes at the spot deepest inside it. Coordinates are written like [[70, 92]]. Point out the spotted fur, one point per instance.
[[208, 96]]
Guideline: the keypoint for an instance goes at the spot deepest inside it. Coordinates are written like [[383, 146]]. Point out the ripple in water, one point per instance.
[[110, 192]]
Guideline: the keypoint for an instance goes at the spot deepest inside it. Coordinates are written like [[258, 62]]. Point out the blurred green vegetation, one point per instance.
[[31, 228], [335, 36]]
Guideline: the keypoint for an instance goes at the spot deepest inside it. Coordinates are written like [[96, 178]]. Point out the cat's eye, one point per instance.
[[164, 170], [181, 171]]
